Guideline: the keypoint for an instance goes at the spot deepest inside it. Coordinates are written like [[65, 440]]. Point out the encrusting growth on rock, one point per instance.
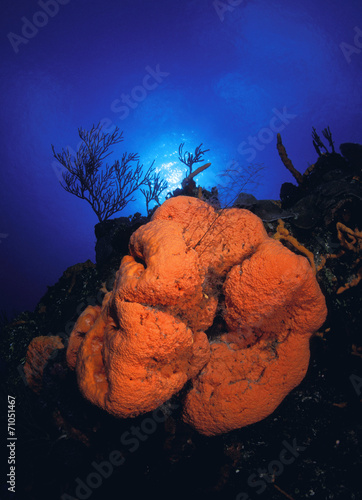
[[351, 240], [38, 354], [351, 283]]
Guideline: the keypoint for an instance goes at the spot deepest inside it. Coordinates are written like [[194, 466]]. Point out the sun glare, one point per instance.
[[170, 168]]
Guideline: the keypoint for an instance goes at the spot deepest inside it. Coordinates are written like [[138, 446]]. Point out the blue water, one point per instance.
[[188, 71]]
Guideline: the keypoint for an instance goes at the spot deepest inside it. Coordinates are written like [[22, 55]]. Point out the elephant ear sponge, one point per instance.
[[205, 296]]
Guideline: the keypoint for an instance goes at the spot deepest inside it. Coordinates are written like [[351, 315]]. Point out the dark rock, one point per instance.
[[330, 166], [267, 210], [353, 153], [112, 240], [289, 194], [59, 308], [321, 204], [245, 200]]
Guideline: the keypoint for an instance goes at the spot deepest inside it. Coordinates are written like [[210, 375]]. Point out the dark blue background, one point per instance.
[[227, 73]]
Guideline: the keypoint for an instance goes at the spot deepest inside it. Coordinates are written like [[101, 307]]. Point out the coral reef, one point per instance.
[[61, 434], [185, 267]]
